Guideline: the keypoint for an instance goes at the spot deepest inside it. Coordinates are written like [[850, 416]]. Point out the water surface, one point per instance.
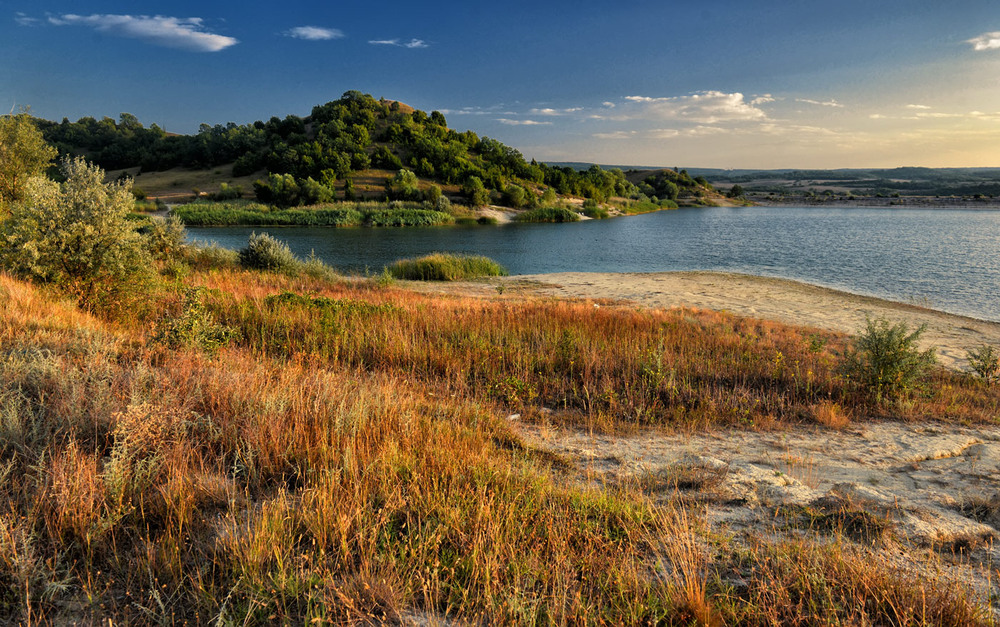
[[942, 258]]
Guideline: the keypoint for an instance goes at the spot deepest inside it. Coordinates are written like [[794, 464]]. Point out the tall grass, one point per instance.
[[344, 459], [445, 267]]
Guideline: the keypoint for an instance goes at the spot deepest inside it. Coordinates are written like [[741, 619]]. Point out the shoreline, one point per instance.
[[781, 300]]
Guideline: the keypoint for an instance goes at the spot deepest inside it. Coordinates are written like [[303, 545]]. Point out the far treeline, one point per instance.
[[315, 159], [885, 182]]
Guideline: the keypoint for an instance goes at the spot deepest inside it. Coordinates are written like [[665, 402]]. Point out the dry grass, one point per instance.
[[345, 460]]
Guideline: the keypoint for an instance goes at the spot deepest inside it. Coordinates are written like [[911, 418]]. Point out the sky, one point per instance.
[[713, 83]]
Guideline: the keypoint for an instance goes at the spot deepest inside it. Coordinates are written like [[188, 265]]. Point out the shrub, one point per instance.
[[885, 362], [164, 236], [595, 212], [548, 214], [77, 236], [194, 326], [210, 257], [985, 363], [445, 267], [264, 252]]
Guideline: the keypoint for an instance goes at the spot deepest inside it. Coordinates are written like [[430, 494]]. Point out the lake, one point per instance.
[[941, 258]]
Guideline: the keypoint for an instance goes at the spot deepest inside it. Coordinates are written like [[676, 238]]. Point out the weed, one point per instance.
[[886, 362], [985, 363]]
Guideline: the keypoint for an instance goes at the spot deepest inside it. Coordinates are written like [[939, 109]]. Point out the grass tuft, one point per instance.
[[446, 267]]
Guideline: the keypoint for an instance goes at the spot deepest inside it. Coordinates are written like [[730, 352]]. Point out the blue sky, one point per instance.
[[715, 83]]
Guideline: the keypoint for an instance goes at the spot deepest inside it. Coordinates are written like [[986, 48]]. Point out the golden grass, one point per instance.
[[345, 460]]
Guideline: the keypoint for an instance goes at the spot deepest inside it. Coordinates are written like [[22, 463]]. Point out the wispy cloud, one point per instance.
[[413, 43], [616, 135], [986, 41], [554, 112], [821, 103], [918, 107], [314, 33], [510, 122], [172, 32], [492, 110], [26, 20], [707, 107]]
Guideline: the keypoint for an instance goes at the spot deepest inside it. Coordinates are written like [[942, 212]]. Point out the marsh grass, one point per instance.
[[345, 214], [446, 267], [344, 460]]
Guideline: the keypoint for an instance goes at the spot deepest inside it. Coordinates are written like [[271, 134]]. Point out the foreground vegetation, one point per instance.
[[246, 438], [283, 449]]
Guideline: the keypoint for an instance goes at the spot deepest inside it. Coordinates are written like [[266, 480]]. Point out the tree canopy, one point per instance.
[[23, 154]]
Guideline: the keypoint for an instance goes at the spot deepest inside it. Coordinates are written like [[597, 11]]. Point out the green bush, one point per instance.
[[210, 257], [596, 212], [548, 214], [77, 235], [985, 363], [264, 252], [193, 327], [445, 267], [885, 362], [164, 236]]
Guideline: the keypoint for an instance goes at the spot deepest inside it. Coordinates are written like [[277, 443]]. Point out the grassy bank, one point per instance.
[[241, 213], [340, 454]]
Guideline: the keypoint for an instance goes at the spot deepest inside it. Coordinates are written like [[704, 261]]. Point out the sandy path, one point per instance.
[[773, 299]]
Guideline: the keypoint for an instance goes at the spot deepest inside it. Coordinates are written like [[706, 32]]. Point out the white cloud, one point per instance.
[[172, 32], [707, 107], [919, 107], [25, 20], [986, 41], [615, 135], [608, 104], [821, 103], [763, 99], [413, 43], [555, 111], [314, 33], [664, 133], [510, 122]]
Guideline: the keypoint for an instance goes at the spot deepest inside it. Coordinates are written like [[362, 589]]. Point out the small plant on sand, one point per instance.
[[985, 363], [885, 360]]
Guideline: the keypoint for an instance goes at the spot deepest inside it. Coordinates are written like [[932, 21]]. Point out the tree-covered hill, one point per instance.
[[320, 157]]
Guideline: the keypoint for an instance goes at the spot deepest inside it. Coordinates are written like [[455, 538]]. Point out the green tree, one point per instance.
[[403, 186], [736, 191], [23, 154], [476, 192], [76, 235]]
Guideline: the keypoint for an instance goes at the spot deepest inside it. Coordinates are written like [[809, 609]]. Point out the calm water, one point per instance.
[[947, 259]]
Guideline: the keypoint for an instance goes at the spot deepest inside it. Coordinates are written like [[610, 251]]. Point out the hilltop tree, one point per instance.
[[23, 154]]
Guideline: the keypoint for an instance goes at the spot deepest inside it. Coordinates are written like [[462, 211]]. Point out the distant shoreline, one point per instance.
[[874, 202]]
